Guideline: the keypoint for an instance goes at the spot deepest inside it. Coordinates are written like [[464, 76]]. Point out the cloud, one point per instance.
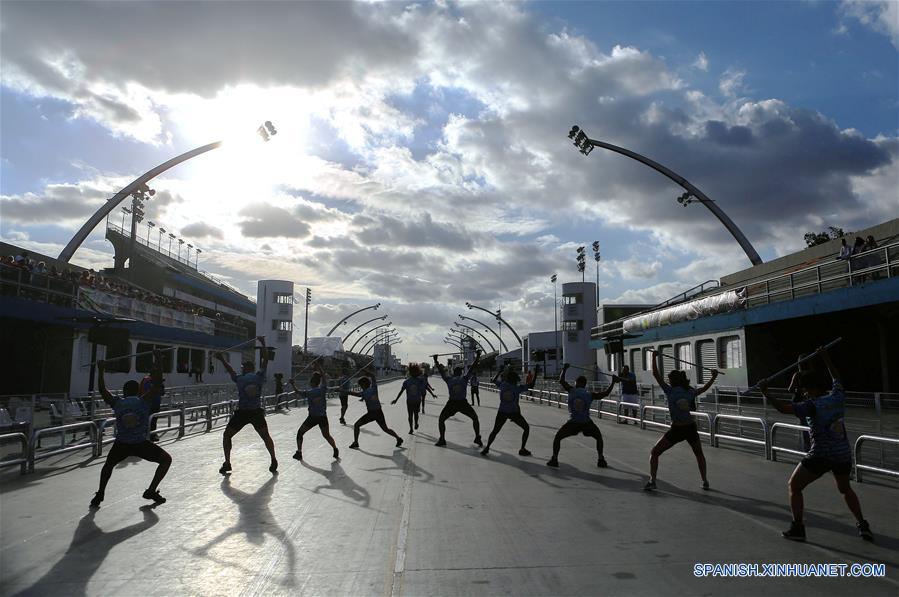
[[64, 204], [701, 62], [421, 231], [731, 82], [881, 16], [263, 220], [202, 230]]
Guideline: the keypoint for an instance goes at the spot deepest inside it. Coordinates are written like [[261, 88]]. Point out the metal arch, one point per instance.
[[455, 344], [468, 327], [501, 343], [497, 316], [689, 187], [114, 201], [470, 337], [383, 317], [375, 338], [375, 306], [390, 342], [377, 327]]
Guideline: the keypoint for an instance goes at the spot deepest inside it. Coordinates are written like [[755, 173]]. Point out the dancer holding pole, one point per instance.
[[317, 402], [681, 400], [132, 421], [830, 449], [456, 385], [415, 387], [249, 407], [509, 408], [579, 399], [369, 395]]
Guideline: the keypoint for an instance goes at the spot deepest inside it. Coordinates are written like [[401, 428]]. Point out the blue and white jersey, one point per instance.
[[415, 389], [509, 395], [680, 402], [317, 400], [579, 400], [370, 395], [828, 431], [343, 387], [132, 419], [249, 389], [457, 385]]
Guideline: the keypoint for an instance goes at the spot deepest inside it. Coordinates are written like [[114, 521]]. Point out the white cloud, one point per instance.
[[701, 62], [881, 16], [731, 83]]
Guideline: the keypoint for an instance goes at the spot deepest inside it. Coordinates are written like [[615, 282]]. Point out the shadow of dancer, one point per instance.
[[338, 479], [89, 547]]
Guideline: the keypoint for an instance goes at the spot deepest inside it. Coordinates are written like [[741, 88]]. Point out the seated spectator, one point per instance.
[[845, 250]]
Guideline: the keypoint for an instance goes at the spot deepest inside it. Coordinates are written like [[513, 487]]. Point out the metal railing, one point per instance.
[[717, 435], [168, 414], [23, 461], [866, 467], [775, 448], [33, 456]]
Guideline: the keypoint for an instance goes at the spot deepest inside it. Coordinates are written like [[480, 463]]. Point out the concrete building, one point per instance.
[[544, 349], [274, 320], [578, 318]]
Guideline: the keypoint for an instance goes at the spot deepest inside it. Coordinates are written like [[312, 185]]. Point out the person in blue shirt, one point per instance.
[[579, 421], [456, 385], [475, 389], [509, 410], [317, 401], [343, 387], [132, 424], [428, 387], [681, 400], [250, 410], [415, 387], [369, 395], [829, 450]]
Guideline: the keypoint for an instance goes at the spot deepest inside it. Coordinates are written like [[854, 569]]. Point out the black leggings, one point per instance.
[[344, 404], [412, 407], [378, 417], [516, 418], [475, 393], [145, 450], [458, 406], [570, 428], [310, 422]]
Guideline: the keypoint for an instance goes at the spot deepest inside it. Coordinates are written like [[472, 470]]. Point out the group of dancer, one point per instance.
[[822, 410]]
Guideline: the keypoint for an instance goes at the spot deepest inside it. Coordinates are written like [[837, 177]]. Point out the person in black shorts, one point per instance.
[[249, 407], [132, 423], [829, 451], [456, 385], [475, 389], [428, 388], [343, 387], [369, 395], [317, 401], [681, 401], [799, 396], [579, 421], [509, 409]]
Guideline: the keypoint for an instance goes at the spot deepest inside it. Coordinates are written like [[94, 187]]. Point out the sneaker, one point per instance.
[[796, 532], [298, 455], [601, 463], [98, 497], [342, 421], [440, 442], [524, 452], [705, 485], [336, 454], [485, 451], [154, 438], [226, 468], [399, 442], [410, 432], [477, 440], [650, 486], [416, 424], [154, 495], [273, 468], [354, 446], [553, 463], [864, 530]]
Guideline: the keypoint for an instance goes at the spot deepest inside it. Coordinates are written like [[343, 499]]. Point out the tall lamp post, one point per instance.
[[553, 279], [306, 325], [336, 325], [581, 261], [355, 329], [586, 145], [596, 257], [501, 343], [377, 327]]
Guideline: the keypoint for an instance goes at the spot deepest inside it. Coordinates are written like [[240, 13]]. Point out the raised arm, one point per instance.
[[782, 406], [108, 398], [156, 377], [565, 385], [607, 391], [656, 357], [225, 364], [496, 377], [709, 383], [474, 365], [263, 356], [440, 368], [831, 368]]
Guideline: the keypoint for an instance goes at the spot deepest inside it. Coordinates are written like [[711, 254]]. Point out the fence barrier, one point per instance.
[[775, 448], [716, 431], [21, 462], [866, 467], [62, 429]]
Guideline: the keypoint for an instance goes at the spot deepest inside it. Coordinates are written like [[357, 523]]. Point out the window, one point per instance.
[[635, 358], [682, 352], [144, 362], [282, 298], [118, 349], [647, 359], [570, 326], [183, 361], [730, 352], [573, 299], [667, 362], [705, 357], [282, 325]]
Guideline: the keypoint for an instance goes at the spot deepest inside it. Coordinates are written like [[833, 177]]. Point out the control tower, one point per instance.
[[274, 320]]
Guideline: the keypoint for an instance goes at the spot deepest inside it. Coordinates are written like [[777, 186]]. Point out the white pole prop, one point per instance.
[[128, 356], [674, 358], [794, 365]]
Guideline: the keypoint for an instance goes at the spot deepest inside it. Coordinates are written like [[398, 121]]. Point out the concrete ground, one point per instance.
[[423, 520]]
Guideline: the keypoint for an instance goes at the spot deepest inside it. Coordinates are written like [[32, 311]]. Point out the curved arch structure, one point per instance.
[[377, 327], [375, 306], [585, 144], [114, 201], [464, 335], [468, 327], [501, 343], [382, 318], [497, 316], [380, 336]]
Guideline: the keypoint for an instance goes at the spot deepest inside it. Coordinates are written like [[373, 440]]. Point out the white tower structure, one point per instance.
[[274, 320], [578, 319]]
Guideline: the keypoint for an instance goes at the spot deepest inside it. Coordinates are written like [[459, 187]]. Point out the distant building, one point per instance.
[[274, 321], [578, 318], [544, 349]]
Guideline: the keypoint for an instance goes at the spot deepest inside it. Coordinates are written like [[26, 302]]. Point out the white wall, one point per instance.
[[267, 311], [576, 342]]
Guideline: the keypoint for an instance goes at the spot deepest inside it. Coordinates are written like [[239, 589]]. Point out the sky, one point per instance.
[[421, 158]]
